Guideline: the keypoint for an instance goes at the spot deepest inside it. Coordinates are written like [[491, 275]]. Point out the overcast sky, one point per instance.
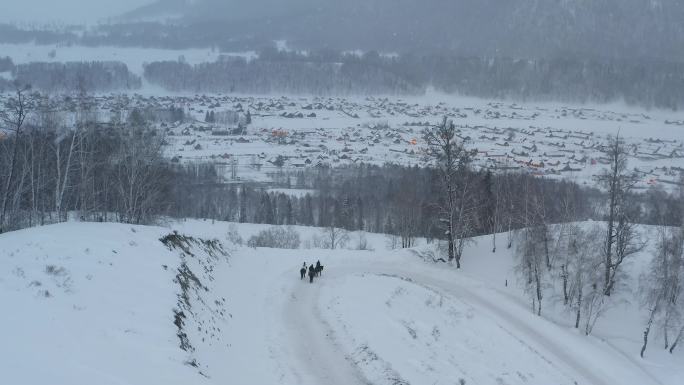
[[64, 11]]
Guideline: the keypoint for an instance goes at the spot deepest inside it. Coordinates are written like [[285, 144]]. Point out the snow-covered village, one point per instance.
[[335, 193]]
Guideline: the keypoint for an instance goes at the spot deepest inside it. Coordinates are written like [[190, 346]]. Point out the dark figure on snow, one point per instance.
[[319, 268], [312, 273], [302, 271]]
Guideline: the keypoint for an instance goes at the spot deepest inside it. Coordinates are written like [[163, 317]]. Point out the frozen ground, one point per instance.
[[104, 313]]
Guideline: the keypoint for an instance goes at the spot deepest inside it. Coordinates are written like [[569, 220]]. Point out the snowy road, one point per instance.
[[315, 351], [381, 318], [320, 360]]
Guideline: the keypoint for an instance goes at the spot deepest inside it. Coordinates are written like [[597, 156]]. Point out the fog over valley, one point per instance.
[[308, 192], [65, 11]]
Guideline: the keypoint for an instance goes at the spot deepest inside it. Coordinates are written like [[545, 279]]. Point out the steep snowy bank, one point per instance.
[[95, 303]]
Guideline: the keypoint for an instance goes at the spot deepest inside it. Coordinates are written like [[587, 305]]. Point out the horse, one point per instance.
[[302, 273], [312, 273], [318, 270]]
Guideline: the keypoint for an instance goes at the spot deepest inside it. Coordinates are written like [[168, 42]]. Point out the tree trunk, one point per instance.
[[611, 217], [8, 183], [451, 241], [564, 274], [16, 121], [647, 331], [579, 307], [547, 252], [676, 341], [539, 290]]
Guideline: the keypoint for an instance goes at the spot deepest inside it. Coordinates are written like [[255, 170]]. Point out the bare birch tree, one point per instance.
[[661, 288], [451, 160], [621, 238], [13, 116]]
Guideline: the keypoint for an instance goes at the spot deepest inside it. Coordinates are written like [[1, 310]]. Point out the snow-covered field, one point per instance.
[[98, 303]]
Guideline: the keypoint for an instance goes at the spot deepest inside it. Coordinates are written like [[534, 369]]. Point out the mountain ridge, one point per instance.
[[526, 28]]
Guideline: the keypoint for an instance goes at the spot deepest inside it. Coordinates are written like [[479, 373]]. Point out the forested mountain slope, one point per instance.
[[524, 28]]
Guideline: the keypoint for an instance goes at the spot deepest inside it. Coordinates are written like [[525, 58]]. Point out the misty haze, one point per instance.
[[326, 192]]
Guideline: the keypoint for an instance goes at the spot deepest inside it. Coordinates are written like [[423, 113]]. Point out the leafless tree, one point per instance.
[[531, 265], [621, 238], [661, 287], [580, 260], [464, 217], [533, 246], [138, 174], [496, 202], [64, 148], [451, 160], [13, 116], [335, 237], [407, 223]]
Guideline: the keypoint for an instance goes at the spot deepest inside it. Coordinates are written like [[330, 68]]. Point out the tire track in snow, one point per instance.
[[317, 358]]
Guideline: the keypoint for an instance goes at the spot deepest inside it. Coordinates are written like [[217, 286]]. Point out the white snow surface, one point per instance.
[[374, 317]]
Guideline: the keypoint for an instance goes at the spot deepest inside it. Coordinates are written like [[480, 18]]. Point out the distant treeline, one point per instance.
[[267, 76], [645, 83], [77, 76], [12, 34], [144, 34], [6, 64], [389, 199], [402, 201], [568, 78], [5, 85]]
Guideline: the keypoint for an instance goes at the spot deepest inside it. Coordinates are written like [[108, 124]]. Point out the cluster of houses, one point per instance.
[[258, 134], [577, 154]]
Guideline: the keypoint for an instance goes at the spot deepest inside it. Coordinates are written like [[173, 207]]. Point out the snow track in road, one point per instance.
[[373, 318], [310, 350], [321, 356]]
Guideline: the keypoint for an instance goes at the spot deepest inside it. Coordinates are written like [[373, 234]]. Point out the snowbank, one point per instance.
[[94, 303]]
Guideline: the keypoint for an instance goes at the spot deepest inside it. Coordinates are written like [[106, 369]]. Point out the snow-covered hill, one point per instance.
[[99, 303]]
